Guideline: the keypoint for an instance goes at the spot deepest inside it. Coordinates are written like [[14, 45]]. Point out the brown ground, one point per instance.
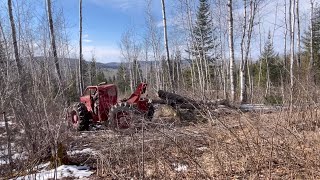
[[230, 145]]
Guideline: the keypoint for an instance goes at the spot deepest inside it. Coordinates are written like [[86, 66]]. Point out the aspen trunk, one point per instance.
[[171, 80], [298, 36], [292, 29], [231, 50], [311, 42], [53, 41], [16, 51], [80, 48]]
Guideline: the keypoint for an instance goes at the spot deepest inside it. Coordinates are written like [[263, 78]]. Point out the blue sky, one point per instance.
[[104, 22]]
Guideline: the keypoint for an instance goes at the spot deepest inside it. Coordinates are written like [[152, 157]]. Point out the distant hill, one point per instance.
[[110, 69]]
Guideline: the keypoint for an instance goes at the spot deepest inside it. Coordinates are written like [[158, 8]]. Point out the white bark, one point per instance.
[[292, 31], [165, 34], [231, 50], [311, 38], [298, 34], [243, 60]]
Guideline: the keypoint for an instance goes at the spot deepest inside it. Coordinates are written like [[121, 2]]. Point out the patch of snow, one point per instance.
[[180, 167], [2, 123], [62, 172], [20, 156], [10, 117], [3, 161], [83, 151], [202, 148], [43, 165]]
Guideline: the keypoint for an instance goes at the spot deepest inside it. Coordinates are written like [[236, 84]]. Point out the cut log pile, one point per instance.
[[193, 110], [187, 103], [215, 107]]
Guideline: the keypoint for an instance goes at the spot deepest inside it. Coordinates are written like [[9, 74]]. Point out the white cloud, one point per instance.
[[122, 4], [85, 36], [87, 40], [102, 53]]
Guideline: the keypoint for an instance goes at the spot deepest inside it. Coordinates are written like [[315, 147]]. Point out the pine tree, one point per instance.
[[122, 79], [203, 39], [203, 46], [271, 66], [100, 77], [93, 72], [315, 66]]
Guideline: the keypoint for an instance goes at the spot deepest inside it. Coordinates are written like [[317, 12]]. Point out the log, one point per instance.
[[174, 97], [187, 103]]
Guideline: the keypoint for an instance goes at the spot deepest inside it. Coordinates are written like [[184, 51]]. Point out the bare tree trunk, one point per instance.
[[53, 41], [245, 47], [311, 41], [16, 51], [80, 48], [285, 34], [292, 31], [171, 80], [298, 36], [242, 74], [8, 139], [231, 51]]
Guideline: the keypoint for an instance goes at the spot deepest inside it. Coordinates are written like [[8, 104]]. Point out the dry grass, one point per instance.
[[233, 145], [238, 146]]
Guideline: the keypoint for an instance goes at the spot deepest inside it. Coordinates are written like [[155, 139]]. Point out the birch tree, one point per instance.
[[166, 45], [292, 32], [311, 39], [298, 35], [16, 51], [231, 50], [53, 41], [247, 29]]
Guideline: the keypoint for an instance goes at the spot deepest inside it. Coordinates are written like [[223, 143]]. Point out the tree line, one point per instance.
[[216, 40]]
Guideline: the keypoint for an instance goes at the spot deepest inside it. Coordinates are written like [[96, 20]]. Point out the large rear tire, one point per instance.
[[80, 117], [120, 117]]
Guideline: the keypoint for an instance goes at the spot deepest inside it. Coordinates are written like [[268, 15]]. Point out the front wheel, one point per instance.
[[79, 116]]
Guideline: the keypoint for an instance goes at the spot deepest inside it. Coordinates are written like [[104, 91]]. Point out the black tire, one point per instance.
[[80, 117], [120, 116]]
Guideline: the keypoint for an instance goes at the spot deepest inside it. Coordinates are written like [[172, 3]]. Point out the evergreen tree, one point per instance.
[[85, 73], [315, 67], [316, 33], [100, 77], [203, 41], [93, 72], [122, 79], [271, 66]]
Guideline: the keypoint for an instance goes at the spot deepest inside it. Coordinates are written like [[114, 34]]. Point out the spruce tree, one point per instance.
[[271, 66], [122, 79], [93, 71], [315, 66], [203, 39]]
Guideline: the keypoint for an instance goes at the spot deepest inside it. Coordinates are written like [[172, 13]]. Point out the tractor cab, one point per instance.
[[99, 99]]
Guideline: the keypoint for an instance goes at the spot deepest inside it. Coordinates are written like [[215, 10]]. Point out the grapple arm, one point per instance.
[[134, 98]]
